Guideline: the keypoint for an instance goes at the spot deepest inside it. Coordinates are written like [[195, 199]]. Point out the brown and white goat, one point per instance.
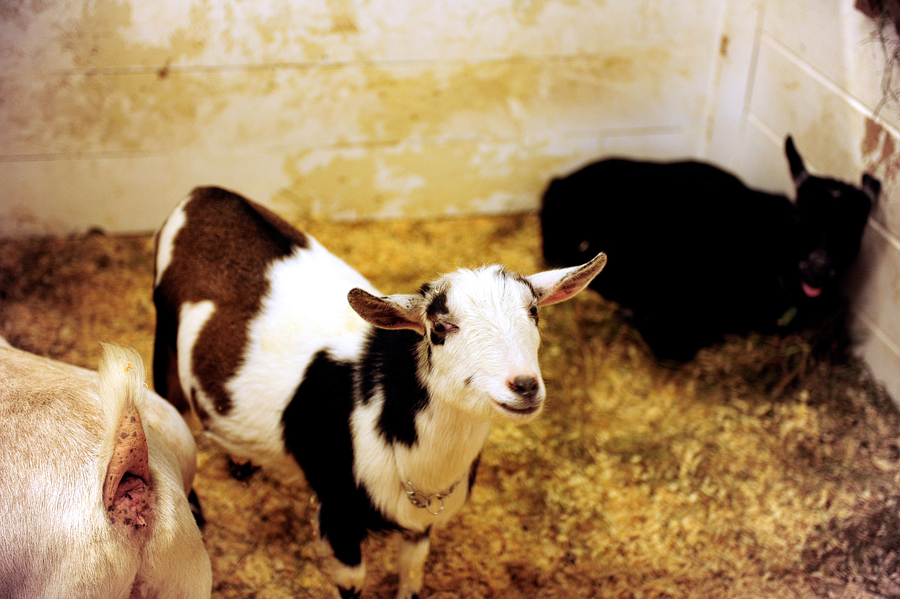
[[290, 358], [95, 476]]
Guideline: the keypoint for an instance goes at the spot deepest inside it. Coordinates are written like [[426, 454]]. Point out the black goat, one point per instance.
[[694, 254]]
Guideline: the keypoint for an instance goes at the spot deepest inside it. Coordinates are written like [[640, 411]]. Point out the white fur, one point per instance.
[[55, 537], [412, 560], [447, 445], [166, 241], [496, 341]]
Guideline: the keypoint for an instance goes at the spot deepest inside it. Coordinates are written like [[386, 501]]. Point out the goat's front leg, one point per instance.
[[413, 553], [341, 552]]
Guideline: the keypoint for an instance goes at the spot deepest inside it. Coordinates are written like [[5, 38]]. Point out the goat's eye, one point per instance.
[[442, 328], [533, 312]]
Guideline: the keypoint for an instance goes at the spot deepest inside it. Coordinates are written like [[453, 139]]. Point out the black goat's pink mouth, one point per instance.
[[810, 291]]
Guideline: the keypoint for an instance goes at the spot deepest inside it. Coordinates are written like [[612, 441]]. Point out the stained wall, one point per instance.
[[113, 109]]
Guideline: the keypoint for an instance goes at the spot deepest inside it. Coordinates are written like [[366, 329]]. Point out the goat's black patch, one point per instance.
[[436, 338], [438, 305], [506, 275], [317, 433], [473, 471], [390, 365], [519, 279]]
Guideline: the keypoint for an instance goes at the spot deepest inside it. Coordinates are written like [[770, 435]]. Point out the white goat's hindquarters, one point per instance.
[[57, 538]]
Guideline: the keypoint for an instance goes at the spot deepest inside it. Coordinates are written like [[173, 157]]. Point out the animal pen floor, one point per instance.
[[755, 471]]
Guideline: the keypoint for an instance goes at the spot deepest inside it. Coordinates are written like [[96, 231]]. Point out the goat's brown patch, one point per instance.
[[221, 254]]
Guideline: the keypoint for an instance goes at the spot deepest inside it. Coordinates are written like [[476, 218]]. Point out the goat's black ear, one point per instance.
[[798, 169], [872, 187]]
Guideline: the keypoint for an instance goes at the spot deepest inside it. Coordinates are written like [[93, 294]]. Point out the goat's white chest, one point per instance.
[[434, 467]]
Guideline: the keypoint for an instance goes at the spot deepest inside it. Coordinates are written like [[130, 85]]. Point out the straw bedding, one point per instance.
[[767, 467]]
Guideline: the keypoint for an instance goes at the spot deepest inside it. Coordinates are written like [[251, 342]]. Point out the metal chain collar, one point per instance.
[[421, 500]]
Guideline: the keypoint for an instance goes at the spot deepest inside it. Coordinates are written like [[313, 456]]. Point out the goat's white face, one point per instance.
[[482, 343], [481, 335]]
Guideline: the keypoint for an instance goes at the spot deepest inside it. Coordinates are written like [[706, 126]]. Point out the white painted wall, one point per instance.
[[111, 110]]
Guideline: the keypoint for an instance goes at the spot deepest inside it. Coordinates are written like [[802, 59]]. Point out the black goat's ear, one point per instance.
[[798, 169], [871, 187]]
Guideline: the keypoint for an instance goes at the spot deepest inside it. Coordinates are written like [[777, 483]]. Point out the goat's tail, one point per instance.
[[122, 397]]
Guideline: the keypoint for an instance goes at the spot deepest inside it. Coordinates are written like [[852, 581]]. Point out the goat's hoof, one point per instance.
[[349, 593]]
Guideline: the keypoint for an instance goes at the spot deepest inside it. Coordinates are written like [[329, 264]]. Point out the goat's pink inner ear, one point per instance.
[[126, 489], [555, 286]]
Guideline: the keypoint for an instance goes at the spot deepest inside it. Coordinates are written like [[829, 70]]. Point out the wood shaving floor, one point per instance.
[[758, 470]]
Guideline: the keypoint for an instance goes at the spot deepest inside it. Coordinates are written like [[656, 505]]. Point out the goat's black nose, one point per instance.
[[524, 385], [820, 260], [817, 268]]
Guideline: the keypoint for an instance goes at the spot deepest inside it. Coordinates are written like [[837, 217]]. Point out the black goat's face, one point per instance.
[[832, 217]]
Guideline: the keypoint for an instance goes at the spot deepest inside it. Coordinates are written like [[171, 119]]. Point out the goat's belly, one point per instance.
[[267, 451]]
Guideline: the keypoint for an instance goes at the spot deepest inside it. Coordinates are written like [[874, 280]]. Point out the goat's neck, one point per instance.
[[448, 442]]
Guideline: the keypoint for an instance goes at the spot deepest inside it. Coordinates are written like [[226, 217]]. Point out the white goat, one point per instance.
[[290, 357], [93, 496]]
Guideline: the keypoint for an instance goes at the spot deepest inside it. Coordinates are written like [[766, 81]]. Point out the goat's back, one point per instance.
[[244, 303], [692, 251], [665, 227]]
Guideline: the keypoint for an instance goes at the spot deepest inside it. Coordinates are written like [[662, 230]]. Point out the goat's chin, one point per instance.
[[517, 413]]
